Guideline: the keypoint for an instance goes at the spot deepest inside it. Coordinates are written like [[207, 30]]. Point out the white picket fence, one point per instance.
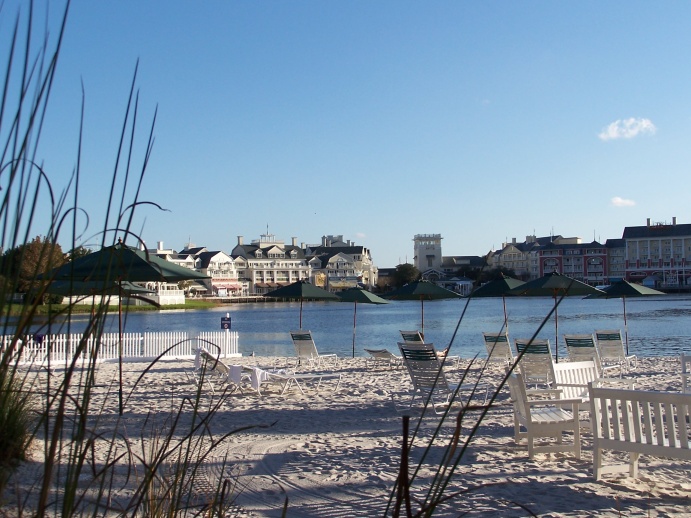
[[63, 348]]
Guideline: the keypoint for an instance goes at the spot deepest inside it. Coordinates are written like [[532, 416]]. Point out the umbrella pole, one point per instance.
[[506, 320], [626, 327], [120, 347], [422, 306], [300, 312], [556, 327], [354, 320]]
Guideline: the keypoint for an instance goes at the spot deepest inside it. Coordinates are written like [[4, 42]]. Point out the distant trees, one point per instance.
[[22, 265], [405, 273]]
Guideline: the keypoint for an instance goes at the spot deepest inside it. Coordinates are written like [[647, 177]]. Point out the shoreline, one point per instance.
[[338, 453]]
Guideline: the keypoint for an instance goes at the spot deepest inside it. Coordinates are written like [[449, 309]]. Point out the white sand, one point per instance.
[[338, 454]]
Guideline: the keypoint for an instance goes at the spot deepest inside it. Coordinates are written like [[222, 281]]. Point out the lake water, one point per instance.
[[657, 326]]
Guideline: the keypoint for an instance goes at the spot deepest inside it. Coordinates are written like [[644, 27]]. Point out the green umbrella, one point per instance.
[[117, 264], [498, 288], [422, 291], [621, 290], [362, 296], [554, 285], [91, 288], [301, 290]]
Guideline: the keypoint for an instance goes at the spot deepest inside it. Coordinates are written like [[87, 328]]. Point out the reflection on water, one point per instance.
[[657, 325]]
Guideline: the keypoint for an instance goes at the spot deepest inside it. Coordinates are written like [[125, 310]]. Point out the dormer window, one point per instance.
[[293, 254], [258, 254]]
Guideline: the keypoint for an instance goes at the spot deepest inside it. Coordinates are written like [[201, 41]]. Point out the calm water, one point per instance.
[[658, 326]]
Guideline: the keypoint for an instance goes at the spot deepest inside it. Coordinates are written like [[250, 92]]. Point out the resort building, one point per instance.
[[586, 262], [446, 271], [344, 263], [616, 259], [659, 254], [268, 263]]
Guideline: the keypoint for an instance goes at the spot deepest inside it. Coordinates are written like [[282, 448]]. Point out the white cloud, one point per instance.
[[621, 202], [360, 235], [627, 128]]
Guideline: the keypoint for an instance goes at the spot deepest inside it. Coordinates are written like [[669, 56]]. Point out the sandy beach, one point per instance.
[[338, 454]]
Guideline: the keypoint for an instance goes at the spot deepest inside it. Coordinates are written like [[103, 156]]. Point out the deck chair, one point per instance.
[[571, 379], [582, 348], [286, 378], [535, 365], [498, 348], [429, 380], [416, 337], [306, 350], [611, 348], [544, 418], [685, 372], [412, 336], [210, 368], [382, 357]]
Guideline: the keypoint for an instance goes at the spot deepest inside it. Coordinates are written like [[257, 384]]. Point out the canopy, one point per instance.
[[621, 290], [301, 290], [498, 288], [117, 264], [422, 291], [553, 285], [362, 296]]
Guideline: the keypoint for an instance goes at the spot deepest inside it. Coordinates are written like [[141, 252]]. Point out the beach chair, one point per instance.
[[415, 337], [284, 379], [428, 378], [412, 336], [685, 372], [208, 367], [544, 419], [611, 348], [382, 357], [306, 350], [535, 365], [498, 348], [581, 347]]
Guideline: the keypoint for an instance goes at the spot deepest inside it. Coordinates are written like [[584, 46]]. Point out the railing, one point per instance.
[[62, 349]]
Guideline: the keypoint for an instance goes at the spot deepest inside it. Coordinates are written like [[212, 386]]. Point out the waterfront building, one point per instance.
[[616, 259], [445, 271], [267, 263], [363, 268], [659, 254], [586, 262], [522, 258]]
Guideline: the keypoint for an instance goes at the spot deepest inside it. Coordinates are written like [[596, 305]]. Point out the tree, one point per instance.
[[22, 265], [405, 273], [76, 253]]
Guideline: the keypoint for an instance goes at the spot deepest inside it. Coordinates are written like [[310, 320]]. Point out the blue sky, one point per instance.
[[481, 121]]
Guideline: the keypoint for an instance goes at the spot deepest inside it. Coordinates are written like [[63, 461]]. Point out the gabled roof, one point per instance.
[[615, 243], [205, 258], [194, 250], [456, 261]]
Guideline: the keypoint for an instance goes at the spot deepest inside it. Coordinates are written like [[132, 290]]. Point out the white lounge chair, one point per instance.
[[428, 378], [208, 367], [535, 365], [581, 347], [306, 350], [412, 336], [286, 378], [544, 418], [612, 351], [382, 357], [498, 347], [685, 372], [572, 380]]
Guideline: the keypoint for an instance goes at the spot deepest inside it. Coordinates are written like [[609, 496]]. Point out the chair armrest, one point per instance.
[[555, 402], [618, 381], [543, 392]]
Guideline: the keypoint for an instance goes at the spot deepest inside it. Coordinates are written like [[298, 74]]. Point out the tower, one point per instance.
[[427, 251]]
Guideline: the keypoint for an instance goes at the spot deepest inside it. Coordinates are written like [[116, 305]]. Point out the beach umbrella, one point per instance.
[[362, 296], [554, 285], [95, 288], [422, 291], [621, 290], [498, 288], [301, 290], [117, 264]]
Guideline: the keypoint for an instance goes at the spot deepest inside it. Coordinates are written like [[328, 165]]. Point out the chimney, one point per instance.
[[647, 222], [302, 245], [239, 240], [160, 245], [324, 241], [294, 240], [674, 220]]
